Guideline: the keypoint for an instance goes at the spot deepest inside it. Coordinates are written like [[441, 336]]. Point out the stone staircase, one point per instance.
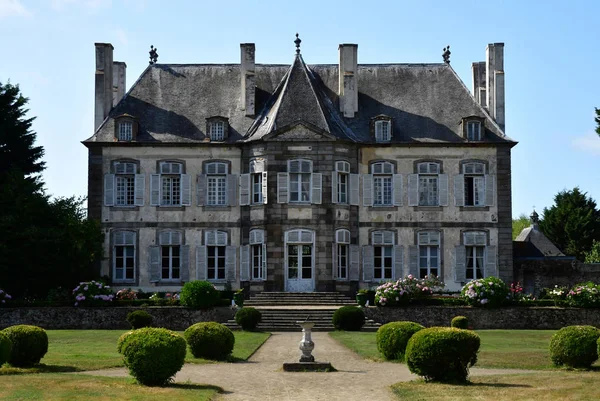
[[281, 310]]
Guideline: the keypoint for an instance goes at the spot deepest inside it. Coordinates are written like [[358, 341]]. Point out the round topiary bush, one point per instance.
[[460, 322], [442, 353], [121, 341], [210, 340], [575, 346], [153, 355], [349, 318], [393, 337], [139, 318], [248, 318], [199, 295], [29, 344], [5, 348]]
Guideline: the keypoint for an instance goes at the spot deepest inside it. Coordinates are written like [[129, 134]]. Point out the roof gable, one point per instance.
[[300, 131]]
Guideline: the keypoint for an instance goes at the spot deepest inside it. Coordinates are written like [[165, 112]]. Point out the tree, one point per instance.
[[519, 224], [572, 223], [593, 255], [597, 119], [17, 150]]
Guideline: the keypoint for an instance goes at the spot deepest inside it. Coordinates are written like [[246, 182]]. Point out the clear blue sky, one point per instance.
[[552, 65]]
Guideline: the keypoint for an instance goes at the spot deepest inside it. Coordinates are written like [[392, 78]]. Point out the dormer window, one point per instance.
[[217, 128], [473, 128], [125, 128], [126, 131], [381, 128]]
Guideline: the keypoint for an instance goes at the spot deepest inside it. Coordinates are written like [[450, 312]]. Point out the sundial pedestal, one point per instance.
[[307, 360]]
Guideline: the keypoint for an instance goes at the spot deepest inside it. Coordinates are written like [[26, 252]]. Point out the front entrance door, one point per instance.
[[300, 271]]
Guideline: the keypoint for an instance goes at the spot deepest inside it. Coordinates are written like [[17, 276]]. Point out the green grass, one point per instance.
[[541, 386], [505, 349], [53, 386], [79, 350]]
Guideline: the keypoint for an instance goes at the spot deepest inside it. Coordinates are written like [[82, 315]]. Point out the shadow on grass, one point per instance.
[[500, 385], [41, 368], [192, 386]]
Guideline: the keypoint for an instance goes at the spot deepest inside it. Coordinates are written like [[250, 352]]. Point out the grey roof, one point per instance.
[[425, 101], [536, 244]]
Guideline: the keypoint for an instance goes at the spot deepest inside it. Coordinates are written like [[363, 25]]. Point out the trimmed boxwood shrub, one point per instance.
[[393, 337], [5, 348], [139, 318], [349, 318], [121, 341], [210, 340], [199, 295], [153, 355], [575, 346], [248, 318], [460, 322], [29, 344], [442, 353]]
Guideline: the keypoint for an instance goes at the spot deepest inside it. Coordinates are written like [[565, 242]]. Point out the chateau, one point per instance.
[[300, 177]]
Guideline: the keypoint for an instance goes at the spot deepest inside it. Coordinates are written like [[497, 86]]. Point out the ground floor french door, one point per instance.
[[300, 268]]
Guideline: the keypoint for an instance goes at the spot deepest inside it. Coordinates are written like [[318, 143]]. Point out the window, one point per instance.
[[383, 247], [258, 255], [474, 184], [216, 184], [299, 246], [171, 187], [428, 184], [344, 186], [216, 242], [124, 188], [299, 184], [342, 254], [383, 132], [429, 253], [475, 258], [382, 183], [474, 131], [125, 131], [216, 130], [170, 252], [124, 256], [253, 186]]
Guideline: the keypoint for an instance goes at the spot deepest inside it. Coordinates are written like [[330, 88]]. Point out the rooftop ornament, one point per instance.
[[297, 42], [446, 54], [535, 218], [153, 54]]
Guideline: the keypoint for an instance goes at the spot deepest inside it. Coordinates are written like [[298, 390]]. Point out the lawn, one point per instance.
[[506, 349], [79, 350], [541, 386], [54, 386]]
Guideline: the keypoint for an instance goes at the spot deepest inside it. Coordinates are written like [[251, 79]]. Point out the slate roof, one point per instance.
[[531, 242], [172, 102]]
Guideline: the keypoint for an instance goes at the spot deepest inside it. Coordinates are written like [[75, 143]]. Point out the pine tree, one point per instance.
[[597, 119]]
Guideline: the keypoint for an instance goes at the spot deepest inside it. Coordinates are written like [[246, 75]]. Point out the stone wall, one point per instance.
[[519, 318], [536, 275], [174, 318]]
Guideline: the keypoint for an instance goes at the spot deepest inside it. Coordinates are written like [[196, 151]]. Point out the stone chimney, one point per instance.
[[348, 79], [104, 82], [247, 70], [495, 81], [479, 84], [119, 81]]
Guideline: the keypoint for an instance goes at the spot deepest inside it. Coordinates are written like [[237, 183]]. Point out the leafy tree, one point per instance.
[[17, 150], [519, 224], [572, 223], [597, 119], [593, 255]]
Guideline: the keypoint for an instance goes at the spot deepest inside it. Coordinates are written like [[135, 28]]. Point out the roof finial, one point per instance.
[[153, 54], [297, 42], [535, 218], [446, 54]]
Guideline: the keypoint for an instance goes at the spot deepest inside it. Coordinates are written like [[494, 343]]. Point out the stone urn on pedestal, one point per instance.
[[306, 344]]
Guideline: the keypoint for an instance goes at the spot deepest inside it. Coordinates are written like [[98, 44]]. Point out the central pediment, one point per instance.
[[300, 132]]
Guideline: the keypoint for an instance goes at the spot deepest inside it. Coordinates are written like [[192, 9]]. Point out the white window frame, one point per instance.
[[125, 184], [216, 130], [257, 254], [429, 183], [474, 177], [217, 183], [475, 241], [170, 175], [300, 237], [342, 254], [125, 239], [429, 241], [383, 184], [170, 241], [342, 190], [125, 131], [384, 241], [474, 130], [216, 241], [303, 172], [383, 131]]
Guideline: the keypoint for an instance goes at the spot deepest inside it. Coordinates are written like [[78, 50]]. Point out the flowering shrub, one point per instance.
[[490, 292], [4, 296], [92, 292], [517, 296], [406, 290], [584, 295], [126, 295]]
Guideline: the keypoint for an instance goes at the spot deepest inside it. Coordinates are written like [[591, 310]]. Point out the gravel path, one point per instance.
[[262, 377]]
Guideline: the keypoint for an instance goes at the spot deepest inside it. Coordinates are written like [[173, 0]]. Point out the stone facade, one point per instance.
[[300, 178]]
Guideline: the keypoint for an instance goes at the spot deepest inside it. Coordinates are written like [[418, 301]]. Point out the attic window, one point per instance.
[[381, 128], [474, 131], [125, 131], [217, 128]]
